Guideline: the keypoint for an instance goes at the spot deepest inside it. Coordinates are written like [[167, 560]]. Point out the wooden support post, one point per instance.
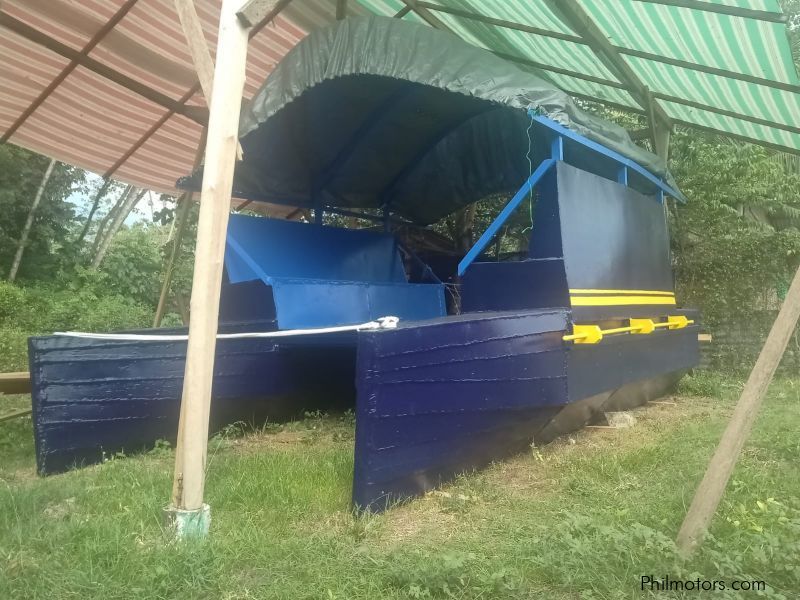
[[188, 514], [712, 487], [26, 229], [341, 9], [182, 216], [184, 203]]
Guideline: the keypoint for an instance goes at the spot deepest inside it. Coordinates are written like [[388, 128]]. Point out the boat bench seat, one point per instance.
[[325, 276]]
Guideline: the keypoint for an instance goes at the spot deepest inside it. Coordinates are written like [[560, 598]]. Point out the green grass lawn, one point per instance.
[[584, 517]]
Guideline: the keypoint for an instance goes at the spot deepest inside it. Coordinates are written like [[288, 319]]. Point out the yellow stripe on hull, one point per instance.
[[620, 292], [620, 300]]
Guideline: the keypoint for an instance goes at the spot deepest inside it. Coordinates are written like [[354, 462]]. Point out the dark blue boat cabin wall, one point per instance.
[[585, 321]]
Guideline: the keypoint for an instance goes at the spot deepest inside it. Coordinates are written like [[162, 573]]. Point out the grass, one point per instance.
[[582, 518]]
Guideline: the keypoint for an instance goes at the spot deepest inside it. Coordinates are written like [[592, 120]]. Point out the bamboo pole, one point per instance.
[[26, 229], [712, 487], [189, 515], [184, 203], [182, 217]]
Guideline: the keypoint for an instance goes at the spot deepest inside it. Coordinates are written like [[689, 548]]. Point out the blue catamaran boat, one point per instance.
[[397, 123]]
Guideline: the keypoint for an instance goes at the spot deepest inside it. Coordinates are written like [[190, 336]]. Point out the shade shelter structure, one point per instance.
[[133, 96], [120, 76]]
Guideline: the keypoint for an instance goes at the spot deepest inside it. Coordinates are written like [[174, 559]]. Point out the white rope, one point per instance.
[[381, 323]]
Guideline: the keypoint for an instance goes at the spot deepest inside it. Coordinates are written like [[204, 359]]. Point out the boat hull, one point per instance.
[[433, 398], [93, 398], [453, 395]]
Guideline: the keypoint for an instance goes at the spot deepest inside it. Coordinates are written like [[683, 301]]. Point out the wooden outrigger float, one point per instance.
[[585, 320]]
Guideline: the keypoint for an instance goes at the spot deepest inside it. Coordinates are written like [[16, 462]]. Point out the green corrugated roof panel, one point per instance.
[[721, 41], [582, 88], [751, 47], [720, 92], [737, 127], [549, 51]]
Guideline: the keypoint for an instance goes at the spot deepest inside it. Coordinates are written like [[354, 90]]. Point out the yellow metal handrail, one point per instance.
[[592, 334]]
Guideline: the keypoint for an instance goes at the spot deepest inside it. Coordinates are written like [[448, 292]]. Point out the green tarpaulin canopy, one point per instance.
[[380, 113]]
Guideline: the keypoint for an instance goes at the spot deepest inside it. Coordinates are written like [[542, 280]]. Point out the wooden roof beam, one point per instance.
[[257, 13], [199, 50], [268, 17], [561, 71], [466, 14], [150, 132], [723, 9], [32, 34], [685, 64], [198, 47], [341, 9], [571, 13], [426, 15], [425, 10], [183, 100], [90, 45]]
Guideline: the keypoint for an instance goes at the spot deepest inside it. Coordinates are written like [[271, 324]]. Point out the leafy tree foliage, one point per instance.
[[48, 249], [132, 267], [736, 242]]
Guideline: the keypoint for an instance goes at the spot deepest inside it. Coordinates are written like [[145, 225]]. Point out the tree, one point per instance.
[[26, 229], [117, 216], [46, 250]]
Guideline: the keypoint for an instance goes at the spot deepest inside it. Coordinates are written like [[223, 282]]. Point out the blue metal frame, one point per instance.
[[624, 161], [509, 208], [557, 153], [557, 148]]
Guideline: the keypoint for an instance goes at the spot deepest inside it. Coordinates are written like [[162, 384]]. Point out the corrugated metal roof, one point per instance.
[[92, 122], [727, 72]]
